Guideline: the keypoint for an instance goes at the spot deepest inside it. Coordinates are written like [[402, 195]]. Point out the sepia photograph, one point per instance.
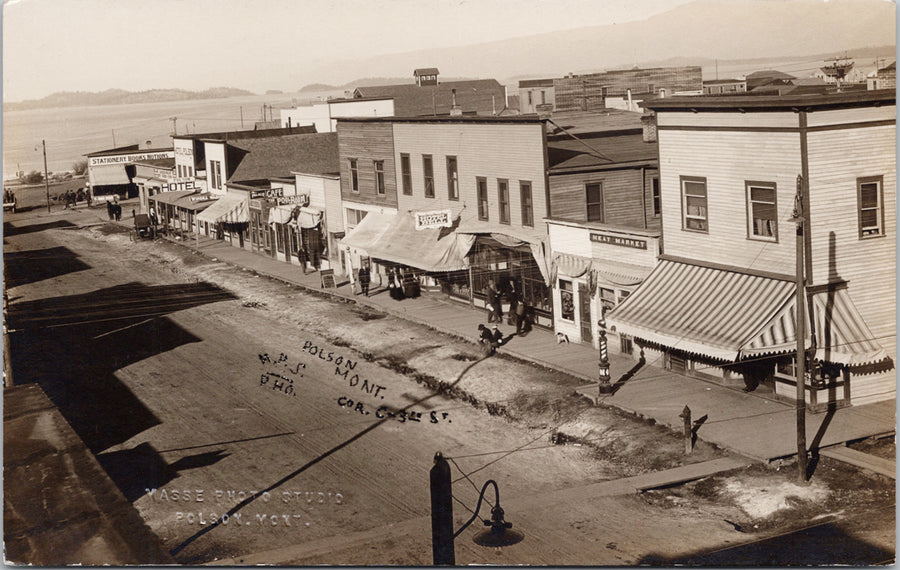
[[449, 282]]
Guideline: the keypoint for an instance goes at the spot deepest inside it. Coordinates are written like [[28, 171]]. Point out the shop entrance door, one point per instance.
[[584, 302]]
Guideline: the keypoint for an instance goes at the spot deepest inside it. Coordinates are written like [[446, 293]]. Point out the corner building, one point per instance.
[[721, 302]]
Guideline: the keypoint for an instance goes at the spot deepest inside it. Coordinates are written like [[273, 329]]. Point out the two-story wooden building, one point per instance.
[[721, 302], [603, 222], [459, 199], [259, 206]]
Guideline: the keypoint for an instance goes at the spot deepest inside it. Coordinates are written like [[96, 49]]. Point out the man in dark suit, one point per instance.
[[364, 279]]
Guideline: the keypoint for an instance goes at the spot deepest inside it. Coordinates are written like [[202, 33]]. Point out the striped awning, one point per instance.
[[703, 310], [733, 316], [571, 265]]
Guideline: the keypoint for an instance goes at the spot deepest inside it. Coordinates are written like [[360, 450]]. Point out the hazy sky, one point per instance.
[[92, 45]]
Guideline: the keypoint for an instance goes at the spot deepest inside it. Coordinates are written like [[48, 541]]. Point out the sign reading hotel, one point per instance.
[[178, 185], [619, 240], [436, 219], [126, 158]]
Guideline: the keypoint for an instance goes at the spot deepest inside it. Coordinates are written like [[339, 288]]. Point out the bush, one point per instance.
[[33, 177], [79, 167]]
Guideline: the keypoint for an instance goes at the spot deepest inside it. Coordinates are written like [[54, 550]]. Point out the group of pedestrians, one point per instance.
[[114, 210], [518, 310], [400, 284], [71, 198], [517, 315]]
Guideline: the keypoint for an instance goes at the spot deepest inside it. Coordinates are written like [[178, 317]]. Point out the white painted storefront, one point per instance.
[[596, 266]]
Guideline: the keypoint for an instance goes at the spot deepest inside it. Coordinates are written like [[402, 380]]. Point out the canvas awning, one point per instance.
[[283, 214], [109, 175], [702, 310], [841, 334], [309, 217], [173, 197], [615, 273], [509, 236], [367, 231], [731, 316], [395, 238], [229, 208]]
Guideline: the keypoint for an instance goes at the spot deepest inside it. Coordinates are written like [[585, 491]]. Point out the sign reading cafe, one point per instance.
[[434, 219]]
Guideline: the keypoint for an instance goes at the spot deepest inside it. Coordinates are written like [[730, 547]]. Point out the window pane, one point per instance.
[[595, 213], [695, 188], [696, 206], [762, 194], [525, 190], [593, 193], [869, 218], [695, 224], [868, 195]]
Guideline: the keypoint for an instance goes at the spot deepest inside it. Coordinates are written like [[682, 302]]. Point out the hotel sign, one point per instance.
[[619, 240], [127, 158], [178, 185], [435, 219]]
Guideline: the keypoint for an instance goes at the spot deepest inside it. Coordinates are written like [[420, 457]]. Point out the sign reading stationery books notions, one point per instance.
[[433, 219]]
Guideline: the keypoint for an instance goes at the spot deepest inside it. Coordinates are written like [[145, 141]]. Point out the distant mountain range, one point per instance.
[[121, 97], [707, 29], [371, 82]]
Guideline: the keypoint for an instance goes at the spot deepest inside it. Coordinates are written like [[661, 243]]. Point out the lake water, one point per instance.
[[71, 132]]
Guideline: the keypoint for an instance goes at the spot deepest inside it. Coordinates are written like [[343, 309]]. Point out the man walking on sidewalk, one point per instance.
[[364, 279]]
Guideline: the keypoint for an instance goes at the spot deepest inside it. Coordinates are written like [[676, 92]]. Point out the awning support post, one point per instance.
[[800, 368]]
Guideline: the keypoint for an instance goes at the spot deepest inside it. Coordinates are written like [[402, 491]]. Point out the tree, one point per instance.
[[79, 167], [34, 177]]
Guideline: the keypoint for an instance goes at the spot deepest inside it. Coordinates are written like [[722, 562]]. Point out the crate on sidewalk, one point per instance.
[[327, 277]]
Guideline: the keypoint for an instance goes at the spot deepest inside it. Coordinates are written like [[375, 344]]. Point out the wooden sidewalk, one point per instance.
[[752, 424]]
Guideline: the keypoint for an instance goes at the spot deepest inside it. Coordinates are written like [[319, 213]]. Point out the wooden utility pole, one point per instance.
[[800, 369], [46, 177]]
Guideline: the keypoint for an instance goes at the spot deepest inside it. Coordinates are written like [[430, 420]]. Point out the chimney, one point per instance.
[[648, 124], [455, 110]]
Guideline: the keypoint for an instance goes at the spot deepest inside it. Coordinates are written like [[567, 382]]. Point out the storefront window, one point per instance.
[[566, 300], [511, 269]]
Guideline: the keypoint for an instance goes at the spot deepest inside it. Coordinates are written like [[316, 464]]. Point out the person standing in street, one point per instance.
[[364, 279]]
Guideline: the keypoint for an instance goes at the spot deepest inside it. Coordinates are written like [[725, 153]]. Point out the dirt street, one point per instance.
[[246, 418]]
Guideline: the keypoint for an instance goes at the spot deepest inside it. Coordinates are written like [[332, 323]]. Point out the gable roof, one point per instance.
[[482, 96], [425, 71], [273, 157]]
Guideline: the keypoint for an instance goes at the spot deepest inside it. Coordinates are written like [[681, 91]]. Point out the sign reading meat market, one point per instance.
[[435, 219], [126, 158]]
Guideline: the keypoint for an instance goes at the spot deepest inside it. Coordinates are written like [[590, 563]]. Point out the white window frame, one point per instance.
[[687, 217], [878, 230], [751, 203]]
